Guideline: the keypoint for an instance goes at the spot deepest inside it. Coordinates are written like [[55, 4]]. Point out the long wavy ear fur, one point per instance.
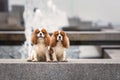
[[47, 40], [52, 41], [34, 36], [34, 39], [47, 37], [66, 41]]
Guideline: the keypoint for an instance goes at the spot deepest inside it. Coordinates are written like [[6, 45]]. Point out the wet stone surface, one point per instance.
[[13, 52], [18, 52]]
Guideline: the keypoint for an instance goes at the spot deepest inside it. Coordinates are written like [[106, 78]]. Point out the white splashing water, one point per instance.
[[52, 19]]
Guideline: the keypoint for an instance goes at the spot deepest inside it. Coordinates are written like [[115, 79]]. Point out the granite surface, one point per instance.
[[91, 69]]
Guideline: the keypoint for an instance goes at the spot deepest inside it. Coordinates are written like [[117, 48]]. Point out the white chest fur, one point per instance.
[[59, 49], [40, 47]]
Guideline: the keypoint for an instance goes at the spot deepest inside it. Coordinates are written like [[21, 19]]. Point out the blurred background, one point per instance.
[[18, 18]]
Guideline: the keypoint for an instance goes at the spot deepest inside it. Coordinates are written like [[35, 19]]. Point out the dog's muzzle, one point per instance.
[[59, 37], [40, 35]]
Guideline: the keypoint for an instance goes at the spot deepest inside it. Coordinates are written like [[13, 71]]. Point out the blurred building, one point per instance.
[[10, 21], [76, 24], [76, 21], [3, 5]]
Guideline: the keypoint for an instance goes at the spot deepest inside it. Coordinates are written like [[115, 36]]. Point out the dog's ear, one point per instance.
[[53, 40], [45, 32], [34, 39], [34, 36], [66, 41], [36, 31], [47, 37], [47, 40]]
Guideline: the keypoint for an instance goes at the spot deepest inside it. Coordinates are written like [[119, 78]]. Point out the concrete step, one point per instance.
[[11, 27], [90, 52], [94, 37], [76, 38], [12, 37], [113, 53], [80, 69]]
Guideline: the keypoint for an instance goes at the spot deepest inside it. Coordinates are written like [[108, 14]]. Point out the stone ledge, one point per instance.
[[70, 61], [76, 38], [93, 36], [11, 27], [113, 53], [83, 69], [16, 36]]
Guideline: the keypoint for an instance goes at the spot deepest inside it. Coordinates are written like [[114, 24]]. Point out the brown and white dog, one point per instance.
[[58, 44], [40, 41]]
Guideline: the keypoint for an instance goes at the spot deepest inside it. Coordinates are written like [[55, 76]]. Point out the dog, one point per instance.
[[59, 42], [40, 41]]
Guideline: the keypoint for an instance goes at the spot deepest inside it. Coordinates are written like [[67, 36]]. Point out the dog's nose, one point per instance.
[[40, 34], [59, 37]]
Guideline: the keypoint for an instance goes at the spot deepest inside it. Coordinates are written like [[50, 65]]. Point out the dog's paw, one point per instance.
[[64, 61], [48, 60], [34, 60], [29, 60], [55, 61]]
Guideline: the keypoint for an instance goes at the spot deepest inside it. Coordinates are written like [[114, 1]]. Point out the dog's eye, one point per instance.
[[43, 32], [56, 33], [38, 31], [62, 33]]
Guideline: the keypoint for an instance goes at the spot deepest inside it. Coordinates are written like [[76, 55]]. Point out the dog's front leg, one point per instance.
[[64, 57], [35, 59], [54, 57], [31, 56], [29, 59], [47, 56]]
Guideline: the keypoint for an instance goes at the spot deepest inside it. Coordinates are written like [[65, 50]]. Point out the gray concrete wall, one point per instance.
[[91, 69]]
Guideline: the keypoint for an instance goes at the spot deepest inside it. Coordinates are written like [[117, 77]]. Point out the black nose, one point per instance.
[[59, 37], [40, 34]]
